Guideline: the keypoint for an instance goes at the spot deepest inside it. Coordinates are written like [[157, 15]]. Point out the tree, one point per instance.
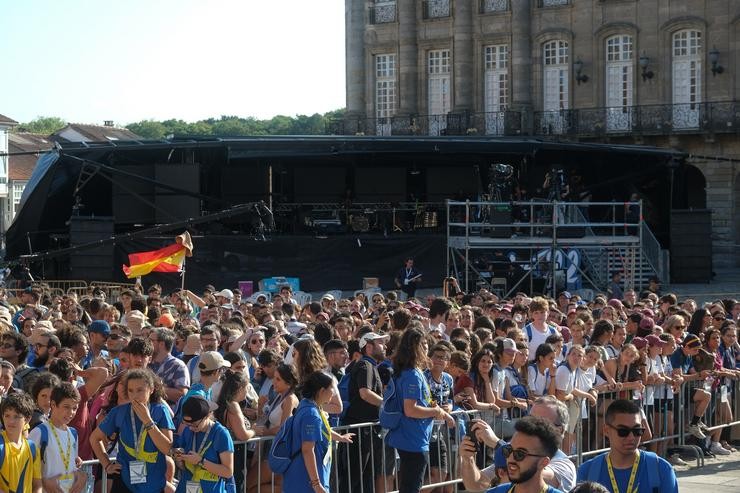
[[45, 125], [148, 129]]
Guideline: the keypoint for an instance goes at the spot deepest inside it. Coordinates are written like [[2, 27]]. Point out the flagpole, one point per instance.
[[182, 275]]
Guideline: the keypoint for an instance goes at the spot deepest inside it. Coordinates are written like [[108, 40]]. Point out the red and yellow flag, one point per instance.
[[167, 259]]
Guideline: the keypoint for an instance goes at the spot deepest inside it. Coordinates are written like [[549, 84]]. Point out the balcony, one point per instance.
[[383, 13], [492, 6], [552, 3], [435, 9], [667, 119]]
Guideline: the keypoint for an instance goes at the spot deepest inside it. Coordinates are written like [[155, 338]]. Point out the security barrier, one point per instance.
[[668, 420]]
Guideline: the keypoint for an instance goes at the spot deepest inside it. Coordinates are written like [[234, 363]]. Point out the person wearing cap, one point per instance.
[[682, 362], [365, 398], [210, 338], [97, 334], [171, 370], [204, 451], [143, 428], [328, 303], [211, 365], [135, 321]]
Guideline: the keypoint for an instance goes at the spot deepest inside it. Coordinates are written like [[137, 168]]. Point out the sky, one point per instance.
[[87, 61]]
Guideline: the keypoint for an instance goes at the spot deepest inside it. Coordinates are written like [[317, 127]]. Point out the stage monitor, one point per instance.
[[315, 184], [380, 184], [450, 182]]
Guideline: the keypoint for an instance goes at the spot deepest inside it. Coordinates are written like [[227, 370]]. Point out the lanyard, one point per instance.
[[204, 444], [327, 433], [138, 439], [66, 458], [633, 475]]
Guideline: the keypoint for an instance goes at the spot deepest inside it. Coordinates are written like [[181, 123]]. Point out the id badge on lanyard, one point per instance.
[[137, 471], [193, 487]]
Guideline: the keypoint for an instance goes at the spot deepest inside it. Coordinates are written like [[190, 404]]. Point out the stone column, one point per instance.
[[462, 56], [354, 11], [521, 59], [408, 53]]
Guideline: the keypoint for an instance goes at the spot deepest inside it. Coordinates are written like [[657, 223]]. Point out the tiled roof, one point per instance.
[[9, 121], [20, 166], [96, 133]]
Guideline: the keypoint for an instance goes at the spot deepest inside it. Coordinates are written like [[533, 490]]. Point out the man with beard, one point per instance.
[[46, 346], [624, 467], [560, 472], [534, 444], [210, 337], [365, 397]]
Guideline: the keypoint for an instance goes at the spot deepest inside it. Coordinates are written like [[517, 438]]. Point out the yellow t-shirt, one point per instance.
[[19, 468]]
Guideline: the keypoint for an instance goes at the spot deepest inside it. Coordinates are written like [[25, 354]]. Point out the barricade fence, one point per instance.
[[667, 413]]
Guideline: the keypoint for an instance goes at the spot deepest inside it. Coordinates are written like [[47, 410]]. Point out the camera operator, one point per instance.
[[560, 472], [556, 184]]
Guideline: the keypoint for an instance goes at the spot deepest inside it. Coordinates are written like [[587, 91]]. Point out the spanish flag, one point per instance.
[[167, 259]]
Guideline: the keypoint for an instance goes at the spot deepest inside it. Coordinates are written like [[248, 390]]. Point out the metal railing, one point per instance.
[[667, 411], [490, 6], [382, 13], [721, 117], [435, 9], [655, 255]]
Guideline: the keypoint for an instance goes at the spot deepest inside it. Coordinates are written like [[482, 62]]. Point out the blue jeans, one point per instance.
[[411, 471]]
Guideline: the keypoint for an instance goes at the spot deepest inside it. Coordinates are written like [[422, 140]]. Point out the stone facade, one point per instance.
[[669, 66]]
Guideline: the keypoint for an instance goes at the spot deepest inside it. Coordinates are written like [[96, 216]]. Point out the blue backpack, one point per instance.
[[281, 452], [528, 328], [391, 409], [44, 429], [344, 395]]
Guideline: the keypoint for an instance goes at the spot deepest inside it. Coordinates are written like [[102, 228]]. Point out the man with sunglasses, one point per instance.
[[534, 444], [624, 467], [560, 472]]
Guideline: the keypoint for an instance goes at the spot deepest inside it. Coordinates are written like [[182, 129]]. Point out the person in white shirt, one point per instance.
[[58, 443]]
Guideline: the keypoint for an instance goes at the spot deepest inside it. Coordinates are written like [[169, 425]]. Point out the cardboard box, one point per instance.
[[370, 282]]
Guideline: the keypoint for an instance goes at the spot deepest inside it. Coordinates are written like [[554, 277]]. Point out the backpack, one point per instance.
[[344, 394], [281, 451], [44, 429], [651, 462], [21, 375], [528, 328], [391, 409]]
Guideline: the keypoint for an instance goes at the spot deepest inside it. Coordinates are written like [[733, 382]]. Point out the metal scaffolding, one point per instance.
[[547, 246]]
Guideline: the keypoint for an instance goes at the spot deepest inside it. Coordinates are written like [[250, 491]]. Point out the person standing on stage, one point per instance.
[[408, 278]]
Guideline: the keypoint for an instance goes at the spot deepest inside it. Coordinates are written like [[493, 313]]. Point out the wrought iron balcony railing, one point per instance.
[[489, 6], [383, 13], [666, 119], [552, 3], [435, 9]]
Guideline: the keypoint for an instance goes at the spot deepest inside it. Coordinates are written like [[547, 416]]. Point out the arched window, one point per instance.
[[687, 75], [619, 82]]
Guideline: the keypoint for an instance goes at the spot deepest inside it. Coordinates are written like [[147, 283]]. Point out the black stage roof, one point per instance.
[[79, 169]]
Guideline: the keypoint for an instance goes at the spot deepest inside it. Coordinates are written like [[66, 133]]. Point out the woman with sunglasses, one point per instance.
[[143, 428], [411, 437], [204, 451]]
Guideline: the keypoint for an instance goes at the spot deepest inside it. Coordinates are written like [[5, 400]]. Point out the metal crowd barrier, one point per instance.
[[669, 434]]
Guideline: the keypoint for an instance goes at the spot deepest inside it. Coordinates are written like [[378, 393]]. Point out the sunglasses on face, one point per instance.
[[624, 432], [519, 454], [719, 318]]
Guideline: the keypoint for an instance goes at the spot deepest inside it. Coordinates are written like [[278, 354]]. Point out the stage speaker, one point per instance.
[[128, 192], [499, 216], [691, 246], [450, 182], [173, 206], [91, 263]]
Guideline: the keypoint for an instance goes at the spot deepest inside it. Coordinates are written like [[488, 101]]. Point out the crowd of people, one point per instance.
[[164, 389]]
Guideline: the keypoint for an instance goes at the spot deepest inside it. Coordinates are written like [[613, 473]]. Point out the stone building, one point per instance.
[[653, 72]]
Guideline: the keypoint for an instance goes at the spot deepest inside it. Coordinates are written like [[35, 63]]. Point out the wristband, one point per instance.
[[149, 425]]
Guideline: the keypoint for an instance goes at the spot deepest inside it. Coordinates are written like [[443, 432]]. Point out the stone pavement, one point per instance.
[[720, 475]]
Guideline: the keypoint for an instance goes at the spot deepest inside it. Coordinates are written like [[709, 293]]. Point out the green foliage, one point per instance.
[[234, 126], [45, 125]]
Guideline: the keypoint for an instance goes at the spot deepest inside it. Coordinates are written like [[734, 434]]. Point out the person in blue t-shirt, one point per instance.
[[534, 444], [204, 451], [411, 437], [625, 467], [144, 431], [310, 471]]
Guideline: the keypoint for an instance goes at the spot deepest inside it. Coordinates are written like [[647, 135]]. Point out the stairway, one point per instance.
[[601, 263]]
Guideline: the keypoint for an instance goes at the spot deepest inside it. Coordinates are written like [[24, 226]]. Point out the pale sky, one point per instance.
[[87, 61]]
